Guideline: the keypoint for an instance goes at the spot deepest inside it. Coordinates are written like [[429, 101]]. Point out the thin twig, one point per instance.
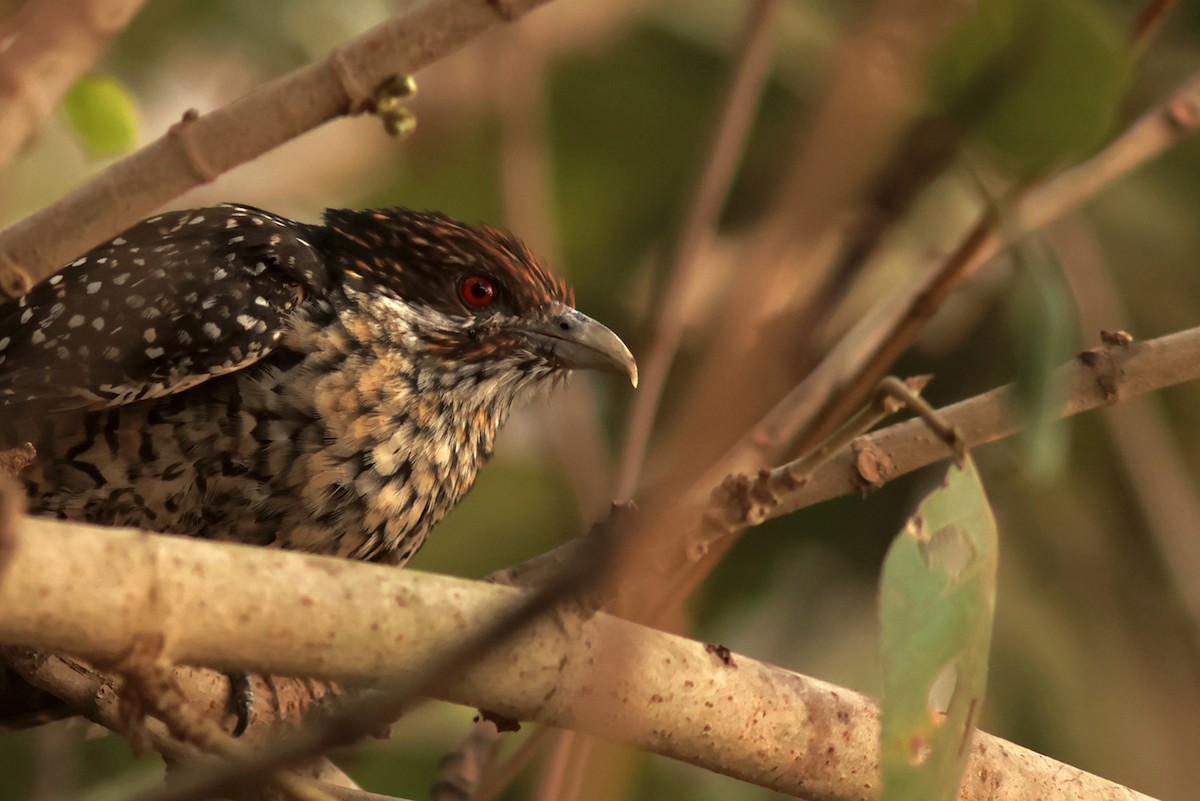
[[339, 793], [844, 377], [1150, 21], [768, 438], [461, 771], [50, 44], [744, 500], [552, 777], [498, 779], [1100, 377], [917, 312], [921, 155], [55, 763], [723, 153], [199, 148], [581, 748], [516, 67]]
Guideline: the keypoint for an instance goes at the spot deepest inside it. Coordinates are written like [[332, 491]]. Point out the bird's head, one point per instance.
[[472, 301]]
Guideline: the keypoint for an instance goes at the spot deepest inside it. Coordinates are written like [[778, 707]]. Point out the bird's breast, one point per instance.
[[376, 451]]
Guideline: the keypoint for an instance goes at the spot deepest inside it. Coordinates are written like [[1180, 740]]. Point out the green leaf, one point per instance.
[[104, 114], [1039, 81], [937, 599], [1042, 325]]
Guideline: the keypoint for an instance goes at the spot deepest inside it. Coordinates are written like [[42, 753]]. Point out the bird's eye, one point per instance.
[[478, 292]]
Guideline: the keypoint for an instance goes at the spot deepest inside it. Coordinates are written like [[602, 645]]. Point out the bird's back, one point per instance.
[[123, 368], [318, 446]]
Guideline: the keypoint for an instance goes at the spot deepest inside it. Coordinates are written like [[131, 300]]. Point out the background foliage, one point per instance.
[[599, 110]]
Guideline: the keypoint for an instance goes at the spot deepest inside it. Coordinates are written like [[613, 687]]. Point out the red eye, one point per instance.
[[478, 292]]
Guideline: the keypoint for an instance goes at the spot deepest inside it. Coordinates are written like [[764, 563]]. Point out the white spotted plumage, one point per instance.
[[203, 269]]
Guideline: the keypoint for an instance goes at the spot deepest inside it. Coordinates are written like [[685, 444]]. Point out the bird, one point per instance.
[[333, 388]]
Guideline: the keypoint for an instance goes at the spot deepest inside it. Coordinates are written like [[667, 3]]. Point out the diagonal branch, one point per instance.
[[199, 148], [225, 605], [1099, 377]]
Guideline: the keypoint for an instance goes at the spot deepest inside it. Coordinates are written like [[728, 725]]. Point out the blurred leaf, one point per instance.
[[1041, 326], [104, 115], [1037, 80], [937, 598]]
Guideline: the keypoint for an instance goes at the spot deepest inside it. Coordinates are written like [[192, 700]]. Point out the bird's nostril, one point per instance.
[[564, 325]]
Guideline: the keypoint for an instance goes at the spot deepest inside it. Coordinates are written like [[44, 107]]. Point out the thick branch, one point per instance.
[[198, 149], [277, 612], [52, 43]]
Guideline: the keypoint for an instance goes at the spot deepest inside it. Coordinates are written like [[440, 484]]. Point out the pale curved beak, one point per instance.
[[578, 342]]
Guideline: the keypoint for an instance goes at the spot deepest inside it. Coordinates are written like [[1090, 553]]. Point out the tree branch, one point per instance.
[[199, 148], [230, 606], [1099, 377]]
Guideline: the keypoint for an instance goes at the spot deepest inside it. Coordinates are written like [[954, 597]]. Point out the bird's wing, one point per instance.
[[170, 303]]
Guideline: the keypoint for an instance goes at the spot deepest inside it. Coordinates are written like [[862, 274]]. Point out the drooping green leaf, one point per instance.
[[1041, 325], [1039, 81], [937, 599], [104, 114]]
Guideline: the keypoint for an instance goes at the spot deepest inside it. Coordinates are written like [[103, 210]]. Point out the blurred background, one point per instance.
[[582, 128]]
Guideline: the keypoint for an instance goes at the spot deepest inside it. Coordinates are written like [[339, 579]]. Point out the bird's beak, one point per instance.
[[580, 343]]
